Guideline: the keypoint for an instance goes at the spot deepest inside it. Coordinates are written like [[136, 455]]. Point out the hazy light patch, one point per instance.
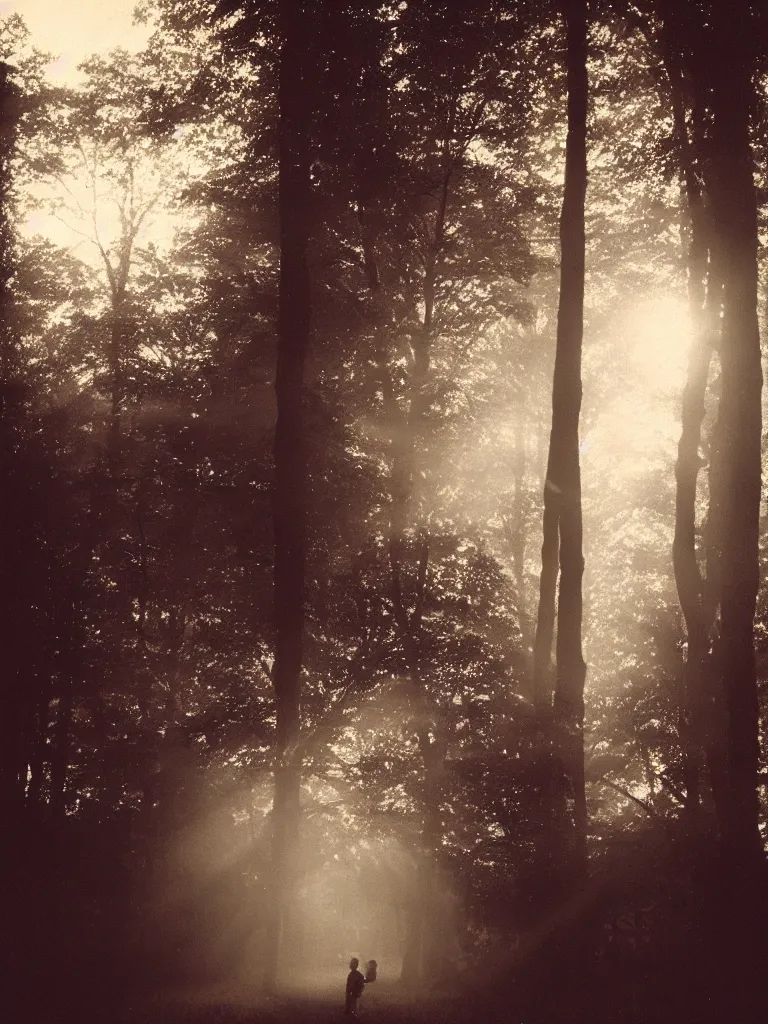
[[638, 431], [628, 459], [658, 333], [73, 30], [71, 231], [632, 437]]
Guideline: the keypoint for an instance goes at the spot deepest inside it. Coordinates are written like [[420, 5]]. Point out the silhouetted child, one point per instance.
[[355, 986]]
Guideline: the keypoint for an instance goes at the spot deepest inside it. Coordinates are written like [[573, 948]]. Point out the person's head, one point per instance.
[[354, 963]]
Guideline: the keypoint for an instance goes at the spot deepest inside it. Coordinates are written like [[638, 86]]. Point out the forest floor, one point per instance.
[[319, 1005]]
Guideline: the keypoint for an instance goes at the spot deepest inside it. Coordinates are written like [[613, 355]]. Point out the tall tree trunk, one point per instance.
[[12, 737], [562, 547], [115, 360], [566, 408], [688, 577], [290, 484], [735, 224], [9, 112], [416, 912], [519, 533]]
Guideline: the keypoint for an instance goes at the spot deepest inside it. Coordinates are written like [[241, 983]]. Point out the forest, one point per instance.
[[381, 541]]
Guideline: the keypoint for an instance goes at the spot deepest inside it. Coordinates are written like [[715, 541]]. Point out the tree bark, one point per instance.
[[562, 548], [289, 507], [13, 752], [688, 577], [545, 617], [519, 536], [736, 227], [115, 360], [9, 352], [412, 969]]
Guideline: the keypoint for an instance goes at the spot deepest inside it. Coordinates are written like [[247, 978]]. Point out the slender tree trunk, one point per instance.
[[566, 405], [412, 969], [9, 353], [707, 708], [688, 578], [12, 736], [543, 682], [519, 533], [562, 547], [295, 90], [115, 359]]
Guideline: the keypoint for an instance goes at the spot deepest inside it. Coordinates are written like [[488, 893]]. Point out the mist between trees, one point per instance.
[[339, 617]]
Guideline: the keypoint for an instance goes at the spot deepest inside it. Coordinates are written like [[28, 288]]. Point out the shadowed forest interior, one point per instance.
[[381, 540]]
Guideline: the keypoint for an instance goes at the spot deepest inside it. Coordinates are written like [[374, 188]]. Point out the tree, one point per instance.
[[10, 773], [115, 176], [20, 86], [735, 227], [294, 91], [562, 526]]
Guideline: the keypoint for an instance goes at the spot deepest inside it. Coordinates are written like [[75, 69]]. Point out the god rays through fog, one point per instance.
[[369, 596]]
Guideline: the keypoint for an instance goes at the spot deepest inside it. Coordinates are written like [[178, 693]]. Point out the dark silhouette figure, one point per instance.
[[355, 986]]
